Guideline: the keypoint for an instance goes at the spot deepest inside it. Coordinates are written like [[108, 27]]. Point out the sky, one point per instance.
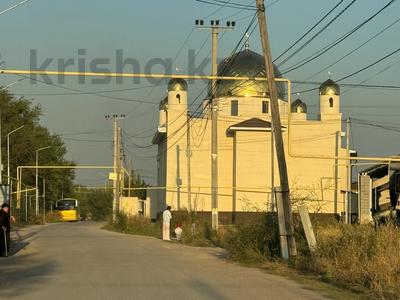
[[150, 31]]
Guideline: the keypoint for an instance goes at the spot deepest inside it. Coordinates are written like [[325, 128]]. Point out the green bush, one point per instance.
[[53, 217], [135, 225], [199, 234], [95, 205], [254, 241]]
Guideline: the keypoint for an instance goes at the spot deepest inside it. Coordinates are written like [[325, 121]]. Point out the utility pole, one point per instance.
[[272, 198], [120, 175], [44, 200], [8, 153], [188, 166], [336, 173], [280, 151], [348, 168], [37, 179], [215, 29], [130, 178], [26, 206], [116, 176]]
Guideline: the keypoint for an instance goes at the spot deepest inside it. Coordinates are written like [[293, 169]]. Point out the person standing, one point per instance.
[[5, 229], [166, 223]]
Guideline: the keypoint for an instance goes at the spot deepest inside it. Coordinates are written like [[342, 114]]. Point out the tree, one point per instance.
[[136, 182], [95, 204], [21, 111]]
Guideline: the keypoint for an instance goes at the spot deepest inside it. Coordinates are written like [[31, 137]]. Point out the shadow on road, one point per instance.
[[204, 290], [19, 242], [23, 273]]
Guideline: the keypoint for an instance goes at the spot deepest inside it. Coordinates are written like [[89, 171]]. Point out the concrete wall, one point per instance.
[[130, 205], [364, 198]]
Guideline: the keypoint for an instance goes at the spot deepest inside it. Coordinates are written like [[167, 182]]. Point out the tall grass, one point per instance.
[[253, 241], [360, 256]]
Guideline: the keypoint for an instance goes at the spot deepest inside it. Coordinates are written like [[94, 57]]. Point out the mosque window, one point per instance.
[[178, 96], [265, 107], [330, 102], [234, 107]]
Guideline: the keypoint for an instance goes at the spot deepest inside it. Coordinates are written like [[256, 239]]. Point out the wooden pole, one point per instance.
[[276, 121]]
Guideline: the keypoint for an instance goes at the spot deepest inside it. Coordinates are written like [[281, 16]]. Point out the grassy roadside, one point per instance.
[[351, 262]]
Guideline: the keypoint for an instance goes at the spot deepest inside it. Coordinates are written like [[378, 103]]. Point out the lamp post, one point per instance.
[[37, 178], [8, 152]]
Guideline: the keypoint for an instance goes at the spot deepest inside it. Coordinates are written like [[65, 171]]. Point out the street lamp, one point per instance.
[[8, 152], [1, 161], [37, 177]]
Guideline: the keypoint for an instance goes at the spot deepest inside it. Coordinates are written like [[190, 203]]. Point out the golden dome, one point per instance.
[[177, 85], [329, 88], [245, 64]]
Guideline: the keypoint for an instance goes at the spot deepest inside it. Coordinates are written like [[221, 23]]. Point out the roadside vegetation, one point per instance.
[[358, 257], [20, 111]]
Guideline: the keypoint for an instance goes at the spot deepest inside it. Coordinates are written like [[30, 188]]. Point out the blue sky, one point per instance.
[[146, 30]]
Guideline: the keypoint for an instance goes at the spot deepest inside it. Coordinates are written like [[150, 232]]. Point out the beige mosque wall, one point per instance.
[[244, 175], [309, 178]]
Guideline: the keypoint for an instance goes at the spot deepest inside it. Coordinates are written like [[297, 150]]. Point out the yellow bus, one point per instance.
[[68, 209]]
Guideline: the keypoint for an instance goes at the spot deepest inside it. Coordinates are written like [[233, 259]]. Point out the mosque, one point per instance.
[[247, 165]]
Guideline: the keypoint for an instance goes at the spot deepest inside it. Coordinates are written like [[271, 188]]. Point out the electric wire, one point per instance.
[[356, 49], [92, 93], [12, 7], [224, 4], [333, 44], [308, 31], [335, 18], [205, 88]]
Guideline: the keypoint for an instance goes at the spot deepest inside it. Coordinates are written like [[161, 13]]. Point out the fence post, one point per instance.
[[308, 229]]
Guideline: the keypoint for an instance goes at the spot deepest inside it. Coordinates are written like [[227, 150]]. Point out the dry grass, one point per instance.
[[360, 256]]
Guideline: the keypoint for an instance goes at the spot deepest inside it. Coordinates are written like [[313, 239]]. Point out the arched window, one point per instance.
[[234, 107], [330, 102], [178, 96]]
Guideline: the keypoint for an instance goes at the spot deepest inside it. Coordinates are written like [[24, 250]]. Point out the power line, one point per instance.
[[217, 10], [209, 84], [85, 133], [85, 92], [318, 33], [92, 93], [309, 30], [183, 44], [373, 76], [353, 85], [14, 6], [370, 65], [357, 48], [329, 47], [230, 58], [134, 144], [224, 4]]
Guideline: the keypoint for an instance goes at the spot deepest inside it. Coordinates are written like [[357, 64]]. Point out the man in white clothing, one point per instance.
[[166, 223]]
